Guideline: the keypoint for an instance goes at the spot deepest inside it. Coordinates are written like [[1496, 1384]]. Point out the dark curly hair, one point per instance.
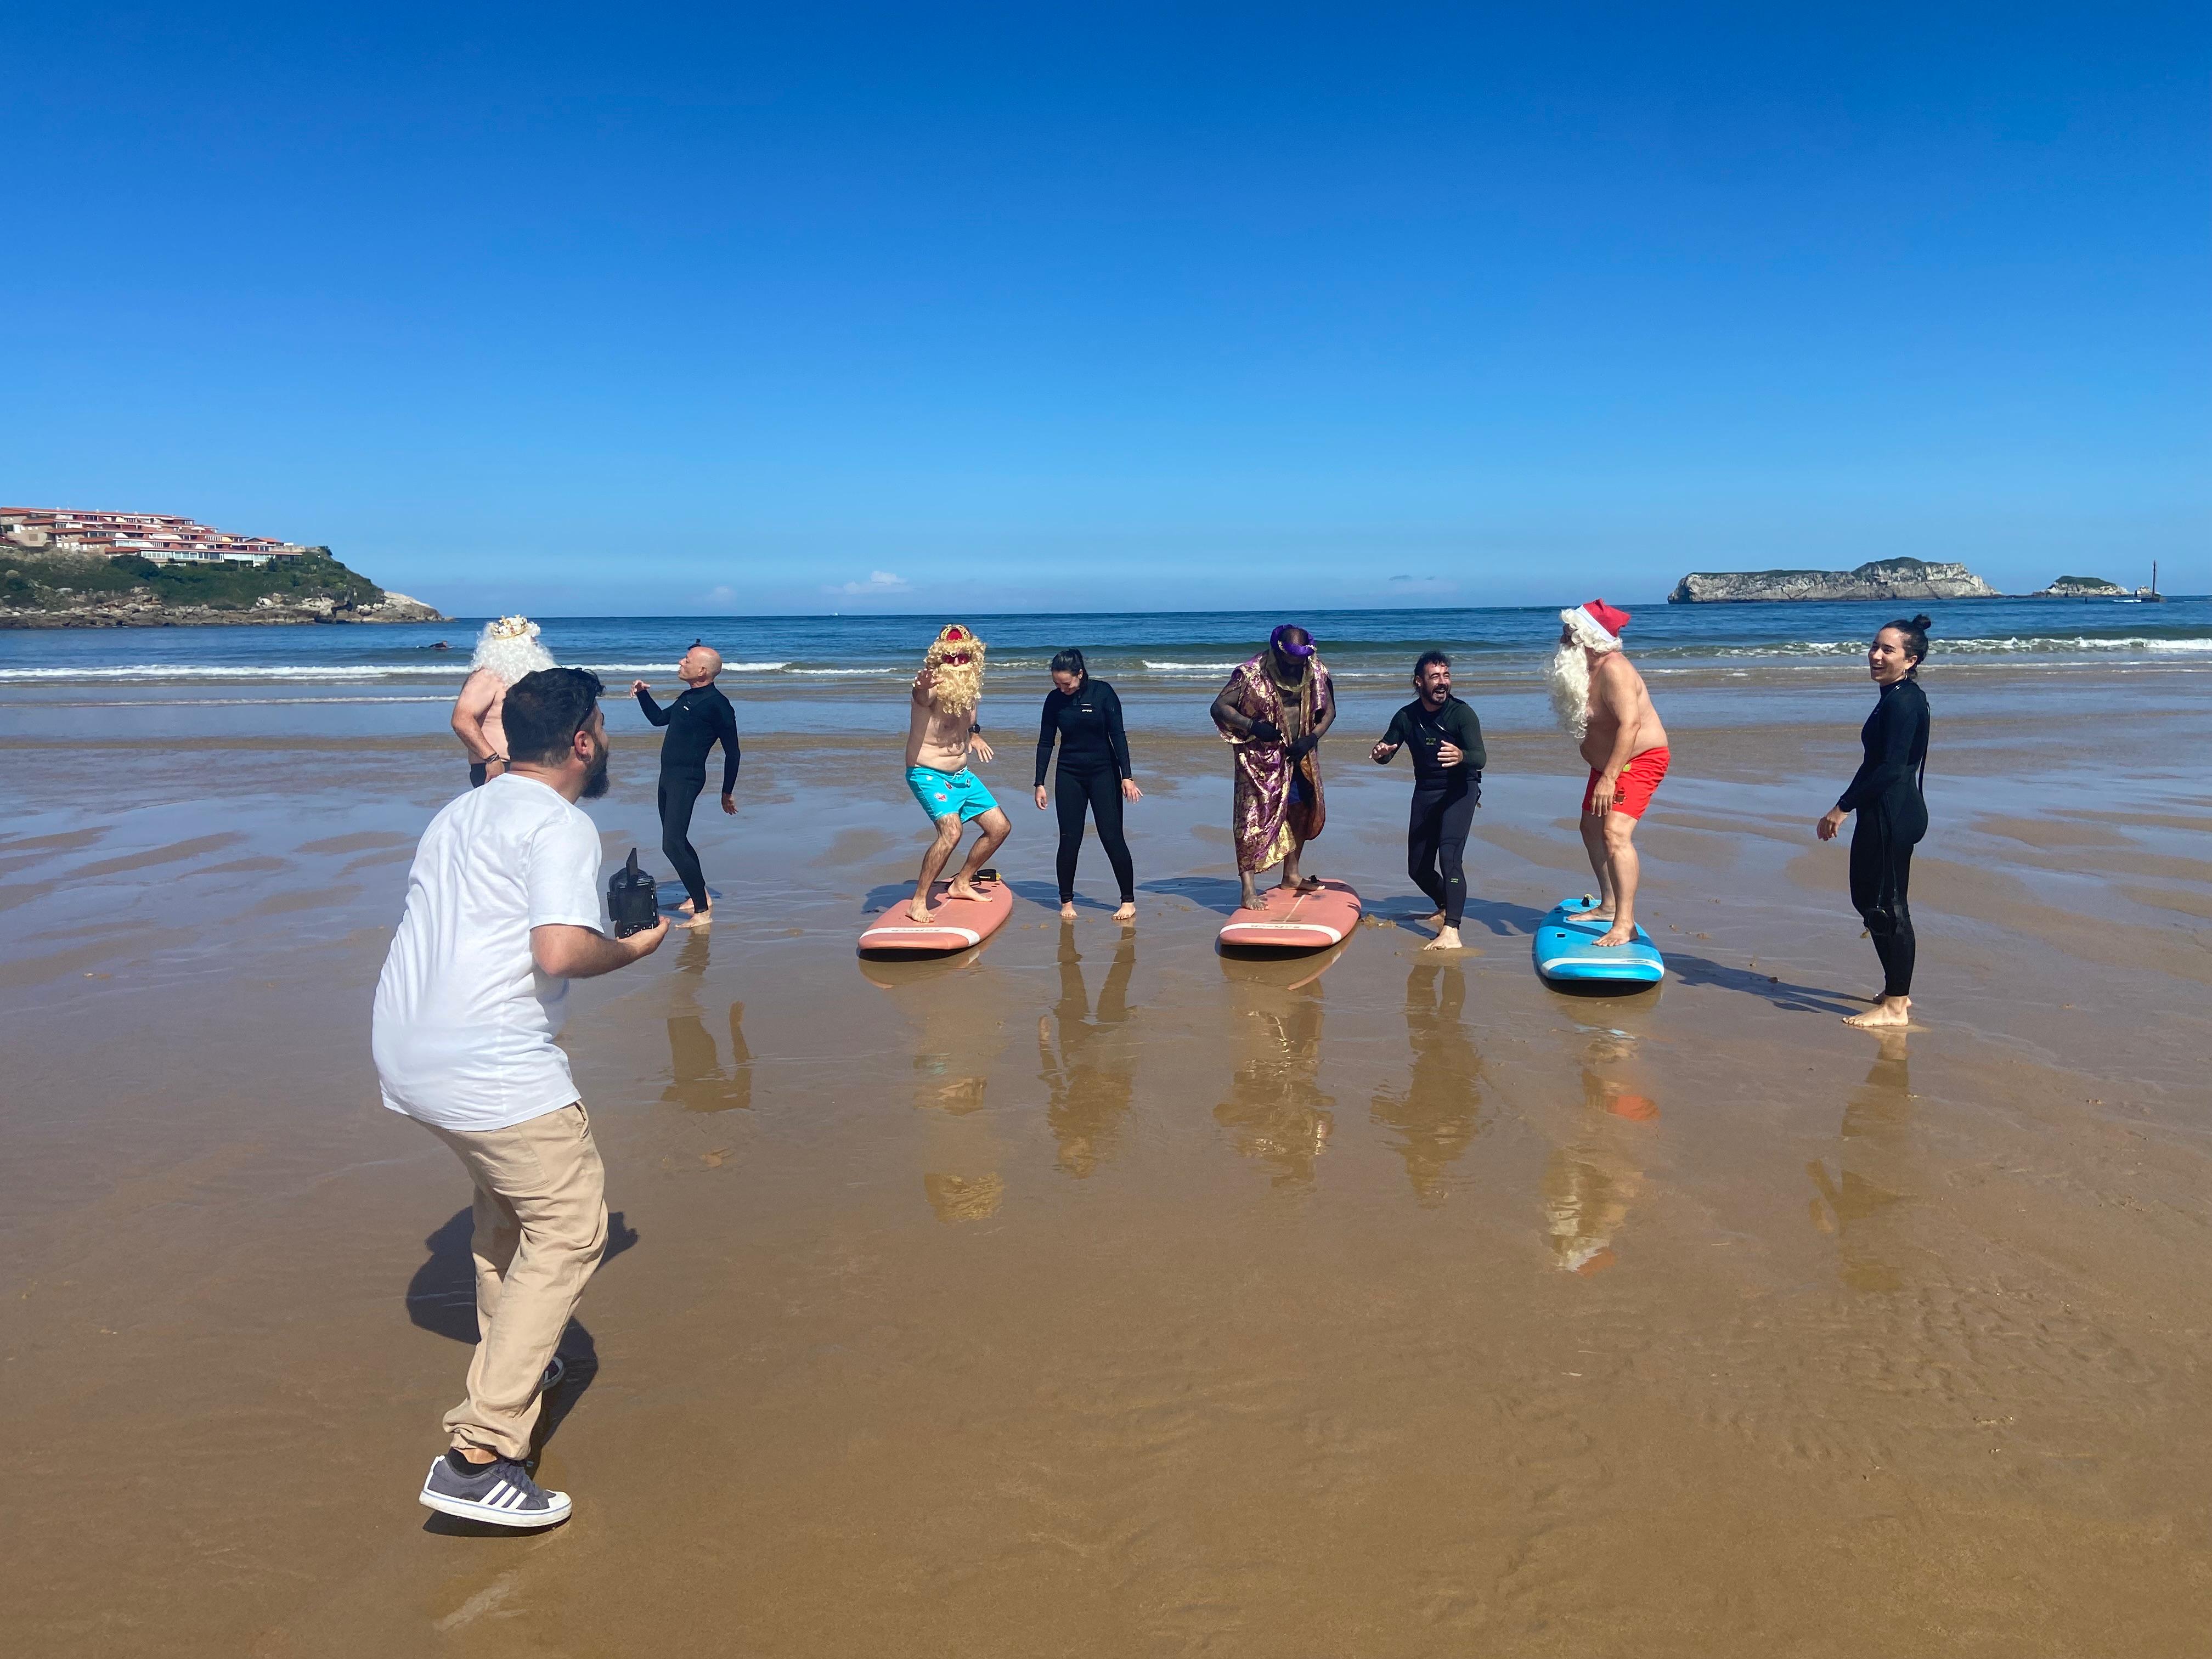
[[544, 711]]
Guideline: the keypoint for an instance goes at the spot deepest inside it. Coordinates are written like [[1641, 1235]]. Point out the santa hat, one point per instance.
[[1596, 626]]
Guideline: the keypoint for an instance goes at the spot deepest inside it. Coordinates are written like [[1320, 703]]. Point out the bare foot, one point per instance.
[[703, 919], [1446, 939], [1127, 912], [684, 908], [1305, 884], [1067, 911], [962, 888], [1615, 934], [918, 911], [1889, 1011], [1436, 921]]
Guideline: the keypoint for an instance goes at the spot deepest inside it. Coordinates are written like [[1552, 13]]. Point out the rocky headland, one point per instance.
[[42, 589], [1877, 579]]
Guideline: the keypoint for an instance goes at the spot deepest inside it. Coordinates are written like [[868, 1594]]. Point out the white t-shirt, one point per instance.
[[464, 1023]]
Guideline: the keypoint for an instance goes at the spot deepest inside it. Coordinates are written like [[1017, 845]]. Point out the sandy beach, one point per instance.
[[1095, 1294]]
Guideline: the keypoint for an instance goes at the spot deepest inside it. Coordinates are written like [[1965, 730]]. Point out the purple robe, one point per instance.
[[1269, 815]]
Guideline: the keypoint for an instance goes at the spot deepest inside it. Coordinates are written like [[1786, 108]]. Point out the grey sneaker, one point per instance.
[[556, 1372], [500, 1493]]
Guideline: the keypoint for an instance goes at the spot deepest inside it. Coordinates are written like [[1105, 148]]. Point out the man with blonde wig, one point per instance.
[[506, 651], [943, 733], [1602, 701]]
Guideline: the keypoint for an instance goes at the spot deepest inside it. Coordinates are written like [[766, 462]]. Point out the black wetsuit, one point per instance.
[[1094, 758], [1893, 817], [1444, 798], [697, 721]]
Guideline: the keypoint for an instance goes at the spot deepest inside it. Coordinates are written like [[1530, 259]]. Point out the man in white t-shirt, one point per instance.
[[502, 912]]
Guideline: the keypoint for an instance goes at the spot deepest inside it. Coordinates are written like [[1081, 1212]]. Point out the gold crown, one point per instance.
[[512, 628]]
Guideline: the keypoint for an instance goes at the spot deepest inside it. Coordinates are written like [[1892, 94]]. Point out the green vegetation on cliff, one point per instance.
[[66, 581]]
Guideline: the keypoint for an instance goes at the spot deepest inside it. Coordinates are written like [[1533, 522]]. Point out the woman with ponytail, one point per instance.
[[1892, 812], [1085, 715]]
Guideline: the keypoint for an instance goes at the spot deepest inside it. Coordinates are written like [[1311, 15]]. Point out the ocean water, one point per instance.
[[793, 655]]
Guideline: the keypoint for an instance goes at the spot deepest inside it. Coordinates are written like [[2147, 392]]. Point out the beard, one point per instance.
[[1569, 680], [959, 686], [596, 781]]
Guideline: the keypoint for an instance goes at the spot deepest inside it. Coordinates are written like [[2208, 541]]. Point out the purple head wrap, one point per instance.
[[1279, 642]]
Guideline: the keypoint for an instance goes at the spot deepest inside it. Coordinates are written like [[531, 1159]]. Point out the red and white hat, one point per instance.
[[1596, 625]]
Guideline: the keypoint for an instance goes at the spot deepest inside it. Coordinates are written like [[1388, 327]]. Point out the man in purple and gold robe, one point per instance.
[[1275, 709]]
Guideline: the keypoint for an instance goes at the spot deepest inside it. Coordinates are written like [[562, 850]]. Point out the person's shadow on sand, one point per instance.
[[1220, 894], [441, 1297]]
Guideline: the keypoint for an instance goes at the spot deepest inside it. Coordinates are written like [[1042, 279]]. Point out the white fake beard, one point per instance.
[[1569, 678], [511, 659]]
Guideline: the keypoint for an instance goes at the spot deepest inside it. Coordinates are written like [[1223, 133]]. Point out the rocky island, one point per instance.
[[1877, 579], [68, 567], [2080, 587]]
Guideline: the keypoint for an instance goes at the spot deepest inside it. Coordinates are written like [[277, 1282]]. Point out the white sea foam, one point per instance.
[[1191, 667], [165, 671]]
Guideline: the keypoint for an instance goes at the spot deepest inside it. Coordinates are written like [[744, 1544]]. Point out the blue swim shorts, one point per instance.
[[943, 793]]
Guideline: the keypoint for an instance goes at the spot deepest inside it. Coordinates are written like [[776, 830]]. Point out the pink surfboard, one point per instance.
[[959, 924], [1295, 922]]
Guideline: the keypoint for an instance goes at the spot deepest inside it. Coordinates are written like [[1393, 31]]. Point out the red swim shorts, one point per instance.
[[1638, 780]]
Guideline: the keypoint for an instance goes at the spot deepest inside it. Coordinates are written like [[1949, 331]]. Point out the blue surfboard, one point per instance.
[[1565, 948]]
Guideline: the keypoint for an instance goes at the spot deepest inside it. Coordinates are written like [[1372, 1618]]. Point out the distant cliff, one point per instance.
[[42, 589], [1877, 579]]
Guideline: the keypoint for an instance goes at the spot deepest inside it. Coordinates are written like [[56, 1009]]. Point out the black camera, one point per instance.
[[632, 899]]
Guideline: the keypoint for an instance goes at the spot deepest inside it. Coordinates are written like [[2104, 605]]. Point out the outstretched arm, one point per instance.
[[1387, 745], [563, 951], [654, 711]]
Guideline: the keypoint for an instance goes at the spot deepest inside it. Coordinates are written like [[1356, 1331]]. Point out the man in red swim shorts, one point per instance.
[[1602, 701]]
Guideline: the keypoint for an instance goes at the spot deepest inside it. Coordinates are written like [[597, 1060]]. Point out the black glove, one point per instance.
[[1266, 732], [1304, 747]]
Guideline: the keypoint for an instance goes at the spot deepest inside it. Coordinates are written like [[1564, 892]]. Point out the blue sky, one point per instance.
[[589, 310]]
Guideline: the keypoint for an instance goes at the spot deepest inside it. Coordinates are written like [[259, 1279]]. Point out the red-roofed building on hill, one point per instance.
[[165, 538]]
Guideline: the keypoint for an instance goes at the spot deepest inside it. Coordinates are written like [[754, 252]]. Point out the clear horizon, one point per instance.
[[1163, 310]]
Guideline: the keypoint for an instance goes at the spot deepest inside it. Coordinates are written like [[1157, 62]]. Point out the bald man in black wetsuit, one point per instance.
[[697, 721], [1448, 762]]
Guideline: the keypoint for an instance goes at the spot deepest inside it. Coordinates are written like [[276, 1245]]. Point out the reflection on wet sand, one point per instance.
[[1089, 1078], [1590, 1184], [1275, 1112], [1435, 1114], [953, 1007], [698, 1080], [1869, 1174]]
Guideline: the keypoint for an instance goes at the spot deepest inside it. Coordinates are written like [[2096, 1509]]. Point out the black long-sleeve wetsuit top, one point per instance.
[[1427, 730], [697, 721], [1895, 738], [1088, 723]]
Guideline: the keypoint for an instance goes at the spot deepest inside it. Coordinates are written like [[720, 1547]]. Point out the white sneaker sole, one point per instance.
[[525, 1520]]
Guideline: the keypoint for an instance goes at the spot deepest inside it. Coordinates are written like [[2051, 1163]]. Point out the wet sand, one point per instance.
[[1095, 1294]]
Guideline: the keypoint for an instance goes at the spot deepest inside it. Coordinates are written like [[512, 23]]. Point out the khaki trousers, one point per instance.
[[541, 1223]]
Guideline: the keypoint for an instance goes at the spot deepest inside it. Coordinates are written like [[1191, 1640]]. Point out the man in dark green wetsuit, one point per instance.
[[1448, 762]]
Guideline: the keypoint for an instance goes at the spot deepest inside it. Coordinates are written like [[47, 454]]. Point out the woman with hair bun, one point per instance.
[[1892, 812], [1085, 715]]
